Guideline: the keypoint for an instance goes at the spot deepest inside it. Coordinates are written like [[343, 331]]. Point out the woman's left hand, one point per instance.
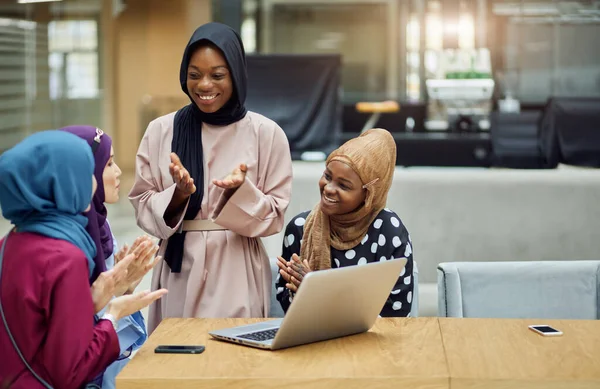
[[235, 179], [297, 270]]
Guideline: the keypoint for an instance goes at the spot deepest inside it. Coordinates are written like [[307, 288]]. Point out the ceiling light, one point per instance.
[[35, 1]]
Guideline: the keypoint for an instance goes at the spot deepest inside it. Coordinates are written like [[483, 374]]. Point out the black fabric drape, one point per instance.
[[301, 93], [570, 132]]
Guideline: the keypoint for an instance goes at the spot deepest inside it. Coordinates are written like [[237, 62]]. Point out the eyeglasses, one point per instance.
[[96, 143]]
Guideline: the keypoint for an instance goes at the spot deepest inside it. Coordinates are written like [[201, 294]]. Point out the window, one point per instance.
[[548, 50], [348, 29], [434, 54], [73, 59]]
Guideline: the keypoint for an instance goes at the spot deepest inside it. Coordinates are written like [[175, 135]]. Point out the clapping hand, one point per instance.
[[105, 286], [293, 271], [182, 178], [123, 306], [143, 250], [234, 179]]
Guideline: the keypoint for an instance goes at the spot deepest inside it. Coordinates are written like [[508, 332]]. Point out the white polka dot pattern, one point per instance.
[[407, 250], [374, 247], [365, 239], [290, 239]]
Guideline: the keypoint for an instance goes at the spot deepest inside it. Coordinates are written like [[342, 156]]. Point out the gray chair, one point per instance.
[[414, 308], [277, 311], [529, 289]]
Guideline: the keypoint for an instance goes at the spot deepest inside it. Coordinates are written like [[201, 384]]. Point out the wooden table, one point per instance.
[[396, 353], [504, 353]]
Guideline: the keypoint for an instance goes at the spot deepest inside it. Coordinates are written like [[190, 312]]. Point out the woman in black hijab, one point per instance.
[[211, 179]]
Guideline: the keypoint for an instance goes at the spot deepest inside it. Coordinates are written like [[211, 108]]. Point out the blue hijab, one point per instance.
[[46, 184]]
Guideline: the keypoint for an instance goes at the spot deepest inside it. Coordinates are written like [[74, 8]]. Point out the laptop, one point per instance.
[[329, 304]]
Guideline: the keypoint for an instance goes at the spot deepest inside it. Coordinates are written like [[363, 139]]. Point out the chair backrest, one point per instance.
[[529, 289], [414, 308], [277, 311]]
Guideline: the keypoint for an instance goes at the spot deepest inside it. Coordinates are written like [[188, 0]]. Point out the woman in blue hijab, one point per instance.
[[48, 334], [46, 184]]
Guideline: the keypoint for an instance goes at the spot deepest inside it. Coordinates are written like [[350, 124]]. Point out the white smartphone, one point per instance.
[[545, 330]]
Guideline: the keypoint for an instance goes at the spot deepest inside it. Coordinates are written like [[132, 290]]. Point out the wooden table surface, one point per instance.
[[396, 353], [504, 353]]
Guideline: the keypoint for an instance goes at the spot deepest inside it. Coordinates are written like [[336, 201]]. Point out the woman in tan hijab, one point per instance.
[[350, 225]]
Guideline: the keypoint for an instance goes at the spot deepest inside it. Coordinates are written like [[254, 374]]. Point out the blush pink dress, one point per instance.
[[224, 273]]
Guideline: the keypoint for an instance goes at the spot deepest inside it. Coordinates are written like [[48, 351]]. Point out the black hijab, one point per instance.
[[187, 134]]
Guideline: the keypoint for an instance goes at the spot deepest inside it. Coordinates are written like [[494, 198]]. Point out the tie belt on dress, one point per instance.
[[200, 225]]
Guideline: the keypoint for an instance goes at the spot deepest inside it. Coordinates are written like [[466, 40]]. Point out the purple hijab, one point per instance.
[[97, 226]]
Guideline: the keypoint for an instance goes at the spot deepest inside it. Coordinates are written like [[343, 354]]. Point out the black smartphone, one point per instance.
[[177, 349]]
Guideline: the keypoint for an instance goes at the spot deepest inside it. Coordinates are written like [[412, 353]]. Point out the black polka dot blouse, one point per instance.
[[386, 238]]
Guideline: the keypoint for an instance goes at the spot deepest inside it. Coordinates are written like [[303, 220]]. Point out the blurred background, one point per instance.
[[114, 63], [497, 115]]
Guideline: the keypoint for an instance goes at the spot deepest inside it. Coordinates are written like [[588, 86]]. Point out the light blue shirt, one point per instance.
[[131, 331]]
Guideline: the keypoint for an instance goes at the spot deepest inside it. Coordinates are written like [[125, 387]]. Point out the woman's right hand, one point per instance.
[[182, 178], [103, 289], [128, 304], [144, 249]]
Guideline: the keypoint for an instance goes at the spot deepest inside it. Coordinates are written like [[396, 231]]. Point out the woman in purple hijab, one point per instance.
[[98, 227], [131, 329]]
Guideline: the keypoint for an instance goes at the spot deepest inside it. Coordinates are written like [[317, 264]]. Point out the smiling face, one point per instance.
[[110, 179], [341, 189], [209, 81]]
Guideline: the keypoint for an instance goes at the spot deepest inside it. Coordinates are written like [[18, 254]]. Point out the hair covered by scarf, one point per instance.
[[97, 225], [46, 184], [187, 133], [372, 156]]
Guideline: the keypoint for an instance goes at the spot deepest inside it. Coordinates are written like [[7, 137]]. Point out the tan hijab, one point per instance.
[[372, 156]]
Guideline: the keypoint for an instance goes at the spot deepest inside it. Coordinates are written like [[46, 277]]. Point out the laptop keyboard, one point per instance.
[[260, 335]]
